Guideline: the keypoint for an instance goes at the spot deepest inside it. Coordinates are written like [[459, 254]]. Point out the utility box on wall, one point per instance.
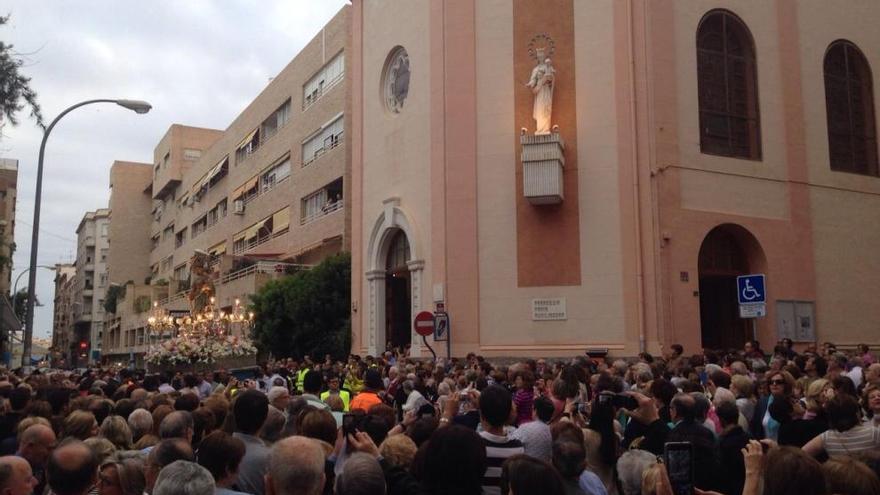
[[543, 162]]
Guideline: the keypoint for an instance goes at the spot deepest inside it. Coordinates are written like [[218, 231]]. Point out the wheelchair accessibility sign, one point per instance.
[[751, 296]]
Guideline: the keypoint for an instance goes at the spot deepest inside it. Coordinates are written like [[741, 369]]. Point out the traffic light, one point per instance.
[[83, 345]]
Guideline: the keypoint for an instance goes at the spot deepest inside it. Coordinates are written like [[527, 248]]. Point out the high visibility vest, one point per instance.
[[343, 394], [300, 379]]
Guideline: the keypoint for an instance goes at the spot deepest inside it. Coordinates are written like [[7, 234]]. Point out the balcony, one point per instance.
[[323, 212], [248, 280]]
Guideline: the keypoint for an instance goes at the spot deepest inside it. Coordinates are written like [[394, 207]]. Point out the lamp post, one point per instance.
[[27, 341], [15, 285]]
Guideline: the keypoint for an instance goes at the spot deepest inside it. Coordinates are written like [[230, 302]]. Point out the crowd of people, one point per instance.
[[731, 422]]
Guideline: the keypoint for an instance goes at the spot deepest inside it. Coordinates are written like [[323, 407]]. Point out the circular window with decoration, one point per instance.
[[395, 80]]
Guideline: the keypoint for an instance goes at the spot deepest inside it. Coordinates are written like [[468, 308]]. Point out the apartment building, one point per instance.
[[8, 186], [267, 192], [62, 322], [129, 230], [92, 252]]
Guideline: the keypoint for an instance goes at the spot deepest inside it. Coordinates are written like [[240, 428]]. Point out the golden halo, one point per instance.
[[544, 41]]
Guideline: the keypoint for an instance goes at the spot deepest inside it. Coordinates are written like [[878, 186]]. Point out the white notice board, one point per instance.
[[796, 320]]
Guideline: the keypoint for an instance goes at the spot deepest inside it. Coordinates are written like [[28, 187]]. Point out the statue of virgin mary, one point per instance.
[[542, 82]]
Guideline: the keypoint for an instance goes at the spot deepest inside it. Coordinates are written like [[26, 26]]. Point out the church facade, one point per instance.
[[562, 175]]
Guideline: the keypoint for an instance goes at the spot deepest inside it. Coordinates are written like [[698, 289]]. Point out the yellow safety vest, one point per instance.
[[300, 379], [343, 394]]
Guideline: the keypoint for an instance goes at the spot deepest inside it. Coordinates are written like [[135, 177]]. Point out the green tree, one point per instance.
[[19, 303], [14, 86], [111, 298], [307, 312]]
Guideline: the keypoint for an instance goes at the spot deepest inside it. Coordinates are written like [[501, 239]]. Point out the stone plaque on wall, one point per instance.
[[549, 309]]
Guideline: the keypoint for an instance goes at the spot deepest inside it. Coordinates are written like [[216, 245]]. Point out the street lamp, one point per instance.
[[138, 106], [15, 285]]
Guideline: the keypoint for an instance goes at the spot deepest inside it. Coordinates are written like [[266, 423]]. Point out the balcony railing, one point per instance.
[[324, 211], [313, 97], [262, 189], [330, 142], [248, 244], [260, 267]]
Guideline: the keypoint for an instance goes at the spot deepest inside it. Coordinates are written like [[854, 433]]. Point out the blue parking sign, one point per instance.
[[750, 289]]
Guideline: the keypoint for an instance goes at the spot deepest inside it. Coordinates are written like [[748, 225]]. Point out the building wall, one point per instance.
[[798, 210], [397, 152], [130, 219], [8, 195], [845, 207], [444, 170], [62, 322], [93, 249]]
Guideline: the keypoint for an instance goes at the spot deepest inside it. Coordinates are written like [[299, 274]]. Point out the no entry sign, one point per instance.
[[424, 323]]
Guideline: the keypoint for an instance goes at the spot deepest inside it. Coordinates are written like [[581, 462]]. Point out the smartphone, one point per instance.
[[349, 424], [679, 458], [625, 401]]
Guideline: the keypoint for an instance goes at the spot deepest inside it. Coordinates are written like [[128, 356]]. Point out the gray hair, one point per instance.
[[184, 478], [273, 426], [362, 476], [630, 467], [140, 422], [642, 372], [175, 425], [408, 386], [296, 466], [443, 388], [723, 395], [276, 392], [759, 366]]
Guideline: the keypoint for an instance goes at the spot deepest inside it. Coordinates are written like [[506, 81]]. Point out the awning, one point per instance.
[[217, 169], [210, 175], [239, 236], [255, 228], [281, 220], [218, 249], [247, 186], [247, 139]]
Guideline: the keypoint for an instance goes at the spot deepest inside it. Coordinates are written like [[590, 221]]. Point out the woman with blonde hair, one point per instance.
[[744, 390], [80, 425], [815, 397], [115, 429], [122, 478]]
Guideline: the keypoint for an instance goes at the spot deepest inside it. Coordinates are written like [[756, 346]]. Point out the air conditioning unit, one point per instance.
[[238, 207]]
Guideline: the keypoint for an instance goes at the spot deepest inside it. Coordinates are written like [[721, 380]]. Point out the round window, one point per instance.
[[395, 84]]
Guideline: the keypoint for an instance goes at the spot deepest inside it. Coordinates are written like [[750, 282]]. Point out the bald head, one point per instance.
[[72, 469], [296, 466], [37, 433], [16, 477], [35, 444]]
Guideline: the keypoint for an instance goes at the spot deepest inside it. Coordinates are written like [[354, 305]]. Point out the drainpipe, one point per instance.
[[640, 276]]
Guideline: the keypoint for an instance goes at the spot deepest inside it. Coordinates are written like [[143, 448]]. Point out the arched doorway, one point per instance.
[[727, 252], [394, 272], [398, 290]]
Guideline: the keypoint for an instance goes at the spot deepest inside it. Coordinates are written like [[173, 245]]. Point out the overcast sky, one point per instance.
[[198, 62]]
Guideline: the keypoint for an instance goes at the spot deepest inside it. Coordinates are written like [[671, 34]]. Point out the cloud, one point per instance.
[[199, 62]]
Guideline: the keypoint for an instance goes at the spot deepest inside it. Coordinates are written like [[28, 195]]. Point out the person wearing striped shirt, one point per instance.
[[496, 404]]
